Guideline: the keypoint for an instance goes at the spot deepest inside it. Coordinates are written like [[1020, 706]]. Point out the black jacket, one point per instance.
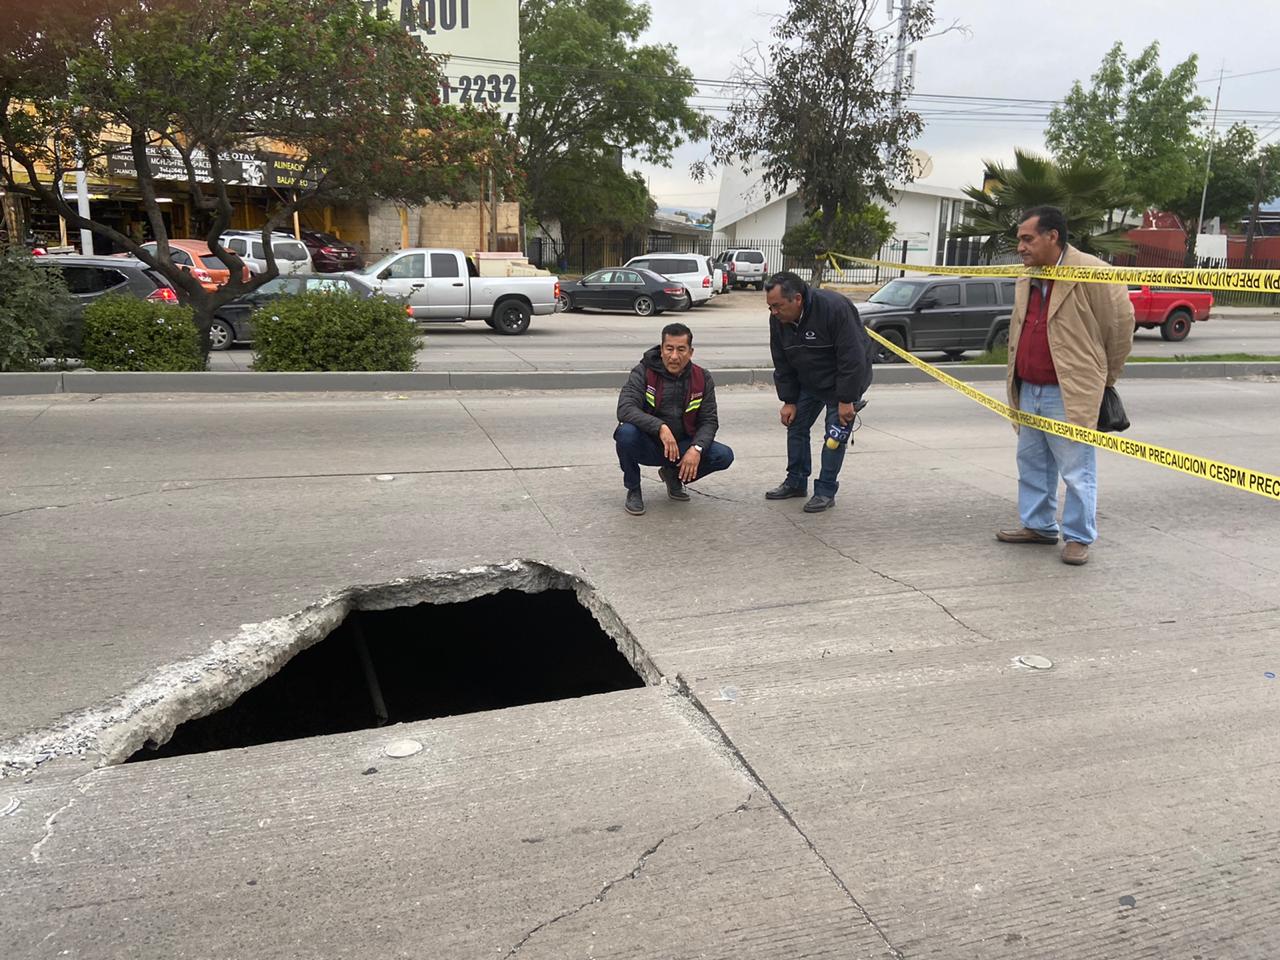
[[632, 408], [826, 352]]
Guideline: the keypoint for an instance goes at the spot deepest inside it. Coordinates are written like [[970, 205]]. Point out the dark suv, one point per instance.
[[948, 315], [329, 254], [89, 278]]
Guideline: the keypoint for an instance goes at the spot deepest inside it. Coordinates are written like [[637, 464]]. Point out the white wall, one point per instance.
[[916, 218], [767, 223]]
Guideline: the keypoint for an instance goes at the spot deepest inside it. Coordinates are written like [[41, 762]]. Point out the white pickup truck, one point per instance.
[[443, 286]]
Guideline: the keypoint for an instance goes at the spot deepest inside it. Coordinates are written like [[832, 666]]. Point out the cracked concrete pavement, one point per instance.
[[840, 754]]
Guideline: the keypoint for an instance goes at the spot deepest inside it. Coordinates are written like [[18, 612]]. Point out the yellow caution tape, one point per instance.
[[1187, 278], [1241, 478]]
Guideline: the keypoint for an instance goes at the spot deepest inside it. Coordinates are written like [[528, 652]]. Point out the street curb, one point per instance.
[[86, 381]]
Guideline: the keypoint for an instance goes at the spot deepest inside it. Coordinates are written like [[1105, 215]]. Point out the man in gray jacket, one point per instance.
[[667, 419]]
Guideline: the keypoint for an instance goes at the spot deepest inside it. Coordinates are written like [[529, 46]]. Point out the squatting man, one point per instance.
[[667, 419]]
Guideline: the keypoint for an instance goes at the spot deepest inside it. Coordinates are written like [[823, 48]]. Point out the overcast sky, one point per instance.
[[1032, 50]]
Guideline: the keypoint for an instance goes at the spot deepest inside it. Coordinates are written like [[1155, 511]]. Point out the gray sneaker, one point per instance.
[[817, 503], [635, 502]]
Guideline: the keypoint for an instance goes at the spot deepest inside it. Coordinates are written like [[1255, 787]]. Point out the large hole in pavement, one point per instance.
[[419, 662]]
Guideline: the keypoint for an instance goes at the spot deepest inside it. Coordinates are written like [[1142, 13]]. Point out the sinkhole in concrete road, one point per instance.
[[416, 663]]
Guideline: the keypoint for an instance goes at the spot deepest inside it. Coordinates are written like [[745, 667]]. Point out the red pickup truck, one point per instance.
[[1173, 311]]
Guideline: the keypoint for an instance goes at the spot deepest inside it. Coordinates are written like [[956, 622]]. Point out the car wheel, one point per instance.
[[954, 354], [488, 322], [688, 301], [883, 354], [643, 306], [221, 334], [760, 285], [1176, 326], [511, 318], [999, 337], [563, 303]]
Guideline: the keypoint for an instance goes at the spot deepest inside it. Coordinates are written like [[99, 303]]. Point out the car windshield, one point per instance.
[[375, 268], [896, 293], [279, 285]]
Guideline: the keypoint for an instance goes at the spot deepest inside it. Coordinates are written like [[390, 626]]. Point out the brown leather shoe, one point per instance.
[[1075, 553], [1023, 535]]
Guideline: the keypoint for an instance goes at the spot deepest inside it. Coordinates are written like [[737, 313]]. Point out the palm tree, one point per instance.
[[1085, 193]]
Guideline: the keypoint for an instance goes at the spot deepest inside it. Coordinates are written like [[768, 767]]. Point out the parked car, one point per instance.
[[445, 286], [291, 255], [1173, 311], [196, 258], [642, 292], [948, 315], [90, 278], [692, 270], [747, 266], [729, 280], [232, 322], [329, 254]]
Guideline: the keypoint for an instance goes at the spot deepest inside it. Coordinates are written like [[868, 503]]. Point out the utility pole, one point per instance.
[[1257, 202], [900, 57], [1208, 162]]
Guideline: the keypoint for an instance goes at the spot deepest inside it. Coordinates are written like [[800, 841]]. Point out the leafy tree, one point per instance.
[[709, 218], [815, 115], [353, 96], [590, 94], [1086, 194], [860, 233], [594, 196], [1135, 121], [1241, 173]]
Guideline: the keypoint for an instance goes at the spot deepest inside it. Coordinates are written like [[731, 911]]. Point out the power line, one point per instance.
[[1237, 76]]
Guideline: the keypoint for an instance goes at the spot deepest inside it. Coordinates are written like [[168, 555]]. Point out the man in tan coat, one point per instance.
[[1067, 342]]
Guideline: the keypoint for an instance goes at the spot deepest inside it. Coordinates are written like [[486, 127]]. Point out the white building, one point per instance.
[[922, 212]]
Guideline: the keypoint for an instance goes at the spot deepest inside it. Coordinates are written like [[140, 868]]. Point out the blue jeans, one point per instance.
[[1042, 458], [799, 456], [636, 448]]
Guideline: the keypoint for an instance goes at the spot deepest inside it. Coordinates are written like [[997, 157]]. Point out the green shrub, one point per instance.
[[34, 310], [125, 333], [333, 331]]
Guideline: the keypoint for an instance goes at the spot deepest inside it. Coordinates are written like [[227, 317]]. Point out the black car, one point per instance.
[[89, 278], [642, 292], [948, 315], [329, 254], [232, 321]]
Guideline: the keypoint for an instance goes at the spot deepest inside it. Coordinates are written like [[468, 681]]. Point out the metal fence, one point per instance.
[[583, 256]]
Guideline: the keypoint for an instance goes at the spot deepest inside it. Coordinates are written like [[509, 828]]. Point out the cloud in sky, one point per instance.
[[1031, 50]]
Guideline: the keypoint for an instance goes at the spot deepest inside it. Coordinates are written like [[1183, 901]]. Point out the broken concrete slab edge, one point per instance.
[[150, 710]]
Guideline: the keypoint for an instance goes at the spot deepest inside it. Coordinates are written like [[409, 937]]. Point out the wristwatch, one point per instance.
[[698, 447]]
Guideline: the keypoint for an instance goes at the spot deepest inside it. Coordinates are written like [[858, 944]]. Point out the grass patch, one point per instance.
[[999, 355]]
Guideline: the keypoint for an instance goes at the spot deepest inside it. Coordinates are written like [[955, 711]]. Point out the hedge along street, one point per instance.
[[1241, 478]]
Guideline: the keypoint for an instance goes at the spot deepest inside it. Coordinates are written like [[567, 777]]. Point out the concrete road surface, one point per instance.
[[837, 753], [730, 331]]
